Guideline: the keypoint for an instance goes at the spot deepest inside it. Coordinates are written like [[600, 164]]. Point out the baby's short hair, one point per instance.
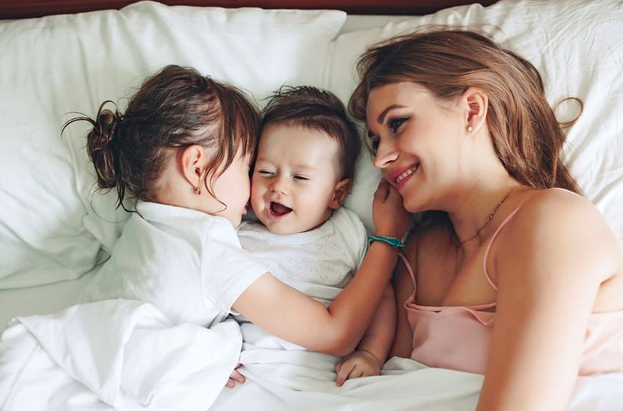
[[316, 109]]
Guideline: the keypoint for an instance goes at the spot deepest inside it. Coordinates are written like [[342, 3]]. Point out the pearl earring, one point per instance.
[[470, 129]]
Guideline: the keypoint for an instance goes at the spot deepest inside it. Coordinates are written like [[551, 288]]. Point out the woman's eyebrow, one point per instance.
[[381, 116]]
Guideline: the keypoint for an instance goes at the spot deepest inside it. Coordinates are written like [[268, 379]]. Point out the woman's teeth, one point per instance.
[[406, 174]]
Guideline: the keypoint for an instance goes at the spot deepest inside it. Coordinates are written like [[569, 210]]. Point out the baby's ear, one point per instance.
[[341, 190]]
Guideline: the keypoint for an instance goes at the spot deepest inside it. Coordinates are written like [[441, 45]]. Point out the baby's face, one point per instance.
[[294, 178]]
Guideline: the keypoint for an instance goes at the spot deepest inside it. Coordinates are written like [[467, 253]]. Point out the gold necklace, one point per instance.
[[489, 218]]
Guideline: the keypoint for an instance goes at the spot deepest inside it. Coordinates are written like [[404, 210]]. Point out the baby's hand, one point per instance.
[[357, 364], [390, 217], [235, 377]]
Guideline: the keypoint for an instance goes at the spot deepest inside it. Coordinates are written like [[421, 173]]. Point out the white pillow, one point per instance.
[[576, 46], [53, 224]]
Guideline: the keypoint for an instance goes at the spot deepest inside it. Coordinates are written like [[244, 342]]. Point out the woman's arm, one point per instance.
[[549, 263], [372, 350], [403, 289], [336, 330], [379, 336]]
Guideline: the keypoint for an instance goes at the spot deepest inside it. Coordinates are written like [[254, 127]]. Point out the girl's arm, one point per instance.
[[293, 316], [549, 263], [372, 351]]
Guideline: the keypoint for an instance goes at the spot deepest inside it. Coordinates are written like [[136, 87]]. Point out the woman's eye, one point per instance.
[[395, 123], [373, 141], [374, 144]]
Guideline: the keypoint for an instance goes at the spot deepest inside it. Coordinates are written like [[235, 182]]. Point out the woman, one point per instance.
[[518, 276]]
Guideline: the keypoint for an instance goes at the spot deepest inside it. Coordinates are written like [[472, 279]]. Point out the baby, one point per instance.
[[302, 174]]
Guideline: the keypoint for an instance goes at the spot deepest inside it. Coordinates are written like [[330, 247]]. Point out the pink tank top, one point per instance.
[[458, 337]]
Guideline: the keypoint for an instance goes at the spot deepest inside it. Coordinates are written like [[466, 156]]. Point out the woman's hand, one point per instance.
[[390, 217]]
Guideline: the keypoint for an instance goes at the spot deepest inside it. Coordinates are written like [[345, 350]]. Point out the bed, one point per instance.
[[56, 229]]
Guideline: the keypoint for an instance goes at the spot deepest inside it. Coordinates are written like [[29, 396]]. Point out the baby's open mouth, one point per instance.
[[279, 209]]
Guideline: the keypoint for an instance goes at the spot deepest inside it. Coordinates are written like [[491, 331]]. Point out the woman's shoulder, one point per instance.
[[554, 209], [557, 225]]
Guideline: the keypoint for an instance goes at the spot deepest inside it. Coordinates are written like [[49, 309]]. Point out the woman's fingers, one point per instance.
[[382, 191]]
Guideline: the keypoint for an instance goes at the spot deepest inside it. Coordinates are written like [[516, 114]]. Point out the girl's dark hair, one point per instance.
[[175, 108], [320, 110], [527, 137]]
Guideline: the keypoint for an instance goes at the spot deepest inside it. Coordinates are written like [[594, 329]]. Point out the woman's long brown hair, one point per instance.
[[526, 135]]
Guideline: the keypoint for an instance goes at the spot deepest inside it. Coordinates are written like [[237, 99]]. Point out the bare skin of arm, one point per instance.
[[551, 265], [337, 329], [372, 351], [403, 289]]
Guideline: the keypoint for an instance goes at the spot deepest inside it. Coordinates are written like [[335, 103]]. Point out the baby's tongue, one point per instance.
[[279, 209]]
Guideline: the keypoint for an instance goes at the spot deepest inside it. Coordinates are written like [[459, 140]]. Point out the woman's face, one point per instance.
[[417, 138]]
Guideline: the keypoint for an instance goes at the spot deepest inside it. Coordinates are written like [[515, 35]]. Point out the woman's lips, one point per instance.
[[399, 177]]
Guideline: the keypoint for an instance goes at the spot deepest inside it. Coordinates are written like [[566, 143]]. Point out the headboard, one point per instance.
[[15, 9]]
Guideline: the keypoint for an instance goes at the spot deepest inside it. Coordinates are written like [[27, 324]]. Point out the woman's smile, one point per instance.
[[400, 176]]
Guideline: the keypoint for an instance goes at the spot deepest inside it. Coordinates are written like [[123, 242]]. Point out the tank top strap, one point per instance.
[[409, 269], [495, 234]]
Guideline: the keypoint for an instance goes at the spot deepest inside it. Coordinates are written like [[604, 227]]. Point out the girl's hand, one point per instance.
[[235, 377], [390, 217], [357, 364]]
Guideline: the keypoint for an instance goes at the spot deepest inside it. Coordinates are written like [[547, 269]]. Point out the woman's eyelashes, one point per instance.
[[394, 123], [374, 143]]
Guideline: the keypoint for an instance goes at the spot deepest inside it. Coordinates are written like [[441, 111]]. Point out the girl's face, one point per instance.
[[417, 139], [232, 188]]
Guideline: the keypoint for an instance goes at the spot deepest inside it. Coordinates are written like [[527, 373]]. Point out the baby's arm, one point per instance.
[[374, 346], [296, 317]]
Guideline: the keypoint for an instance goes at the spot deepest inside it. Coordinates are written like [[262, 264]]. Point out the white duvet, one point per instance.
[[126, 355], [114, 354]]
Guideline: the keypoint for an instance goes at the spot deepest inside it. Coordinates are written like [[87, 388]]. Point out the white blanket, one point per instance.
[[282, 379], [126, 355], [118, 354]]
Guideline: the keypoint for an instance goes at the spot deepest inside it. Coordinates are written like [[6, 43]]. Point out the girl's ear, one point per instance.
[[192, 163], [476, 104], [340, 191]]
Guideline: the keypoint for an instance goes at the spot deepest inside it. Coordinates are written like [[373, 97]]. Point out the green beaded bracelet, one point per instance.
[[393, 241]]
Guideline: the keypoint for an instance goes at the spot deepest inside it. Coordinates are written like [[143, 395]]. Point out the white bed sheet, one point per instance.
[[41, 299]]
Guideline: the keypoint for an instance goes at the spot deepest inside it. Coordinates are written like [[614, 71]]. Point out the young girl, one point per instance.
[[183, 149]]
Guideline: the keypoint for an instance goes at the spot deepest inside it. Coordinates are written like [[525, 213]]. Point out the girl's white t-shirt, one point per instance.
[[187, 263]]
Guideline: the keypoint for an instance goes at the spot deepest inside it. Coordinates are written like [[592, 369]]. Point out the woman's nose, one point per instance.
[[385, 154]]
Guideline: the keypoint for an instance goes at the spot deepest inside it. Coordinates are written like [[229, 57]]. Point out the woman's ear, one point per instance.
[[192, 163], [340, 191], [476, 104]]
